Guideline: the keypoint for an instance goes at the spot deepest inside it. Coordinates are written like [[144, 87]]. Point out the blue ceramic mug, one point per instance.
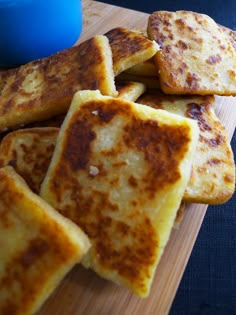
[[32, 29]]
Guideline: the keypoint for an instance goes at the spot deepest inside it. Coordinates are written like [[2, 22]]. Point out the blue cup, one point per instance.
[[32, 29]]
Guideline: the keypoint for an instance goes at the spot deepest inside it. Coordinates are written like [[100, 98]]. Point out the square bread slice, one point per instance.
[[44, 88], [38, 246], [129, 48], [196, 55], [212, 179], [119, 170], [29, 151]]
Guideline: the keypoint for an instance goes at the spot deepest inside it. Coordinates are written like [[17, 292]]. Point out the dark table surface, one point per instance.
[[208, 286]]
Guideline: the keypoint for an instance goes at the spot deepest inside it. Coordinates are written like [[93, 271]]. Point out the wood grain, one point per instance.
[[82, 292]]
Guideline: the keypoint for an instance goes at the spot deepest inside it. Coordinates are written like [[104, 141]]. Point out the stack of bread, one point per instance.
[[102, 145]]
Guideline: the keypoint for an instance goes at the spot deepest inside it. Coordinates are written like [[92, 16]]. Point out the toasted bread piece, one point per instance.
[[119, 170], [130, 90], [44, 88], [29, 151], [212, 178], [129, 48], [196, 55], [38, 246], [146, 68]]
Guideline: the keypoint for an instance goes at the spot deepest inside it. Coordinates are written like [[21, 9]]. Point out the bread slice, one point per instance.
[[196, 55], [130, 90], [38, 246], [119, 170], [129, 48], [44, 88], [29, 151], [212, 178]]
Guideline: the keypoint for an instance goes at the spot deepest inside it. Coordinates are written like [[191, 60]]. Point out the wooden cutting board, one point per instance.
[[82, 292]]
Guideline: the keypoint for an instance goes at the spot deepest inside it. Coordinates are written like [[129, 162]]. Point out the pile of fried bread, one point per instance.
[[102, 145]]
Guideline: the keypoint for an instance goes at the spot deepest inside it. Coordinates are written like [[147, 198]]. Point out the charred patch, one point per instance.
[[126, 43], [162, 147], [77, 148], [107, 114]]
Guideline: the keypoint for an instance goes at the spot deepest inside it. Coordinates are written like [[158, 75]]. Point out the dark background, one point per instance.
[[222, 11], [208, 286]]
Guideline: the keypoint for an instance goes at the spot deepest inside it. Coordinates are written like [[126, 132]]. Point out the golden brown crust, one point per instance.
[[44, 88], [39, 246], [129, 48], [29, 151], [130, 90], [113, 161], [212, 178], [196, 56]]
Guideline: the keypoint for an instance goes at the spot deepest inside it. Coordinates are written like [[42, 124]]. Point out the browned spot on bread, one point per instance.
[[192, 81], [182, 44], [214, 161], [125, 45], [162, 147], [229, 178], [133, 181], [213, 59], [216, 141], [79, 139], [198, 112], [129, 259]]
